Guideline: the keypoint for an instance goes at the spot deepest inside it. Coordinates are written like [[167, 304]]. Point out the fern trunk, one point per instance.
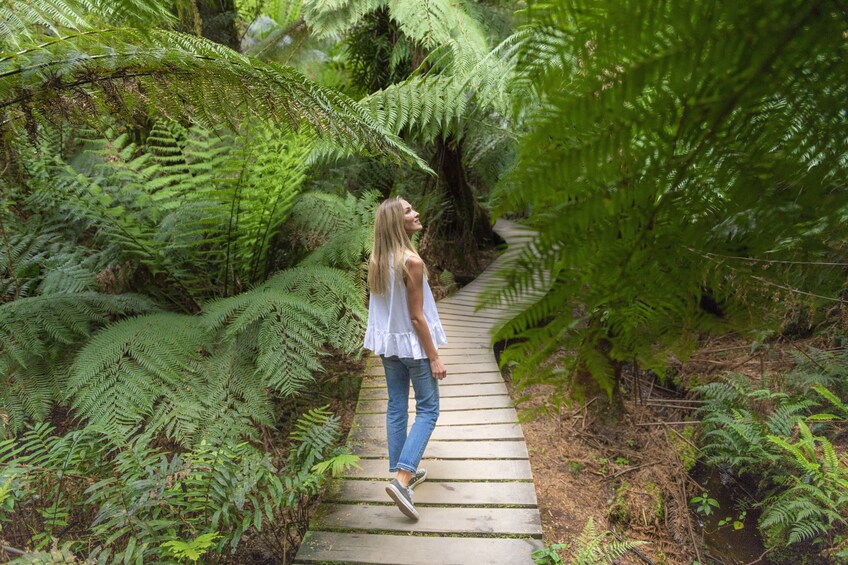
[[608, 404], [219, 22], [462, 229]]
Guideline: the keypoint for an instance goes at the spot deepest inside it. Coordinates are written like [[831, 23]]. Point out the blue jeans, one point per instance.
[[405, 451]]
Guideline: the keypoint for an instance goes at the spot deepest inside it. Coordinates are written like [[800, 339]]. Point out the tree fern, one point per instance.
[[661, 141], [287, 331], [337, 293], [199, 209], [89, 57], [165, 374]]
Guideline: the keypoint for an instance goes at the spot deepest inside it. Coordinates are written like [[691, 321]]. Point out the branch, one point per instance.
[[12, 550]]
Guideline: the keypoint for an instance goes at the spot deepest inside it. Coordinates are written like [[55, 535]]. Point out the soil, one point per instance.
[[632, 477]]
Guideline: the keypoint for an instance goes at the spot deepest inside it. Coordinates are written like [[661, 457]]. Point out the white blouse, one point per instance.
[[390, 332]]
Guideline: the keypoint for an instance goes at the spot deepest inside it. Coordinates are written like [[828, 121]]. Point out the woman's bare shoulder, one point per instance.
[[415, 268], [414, 261]]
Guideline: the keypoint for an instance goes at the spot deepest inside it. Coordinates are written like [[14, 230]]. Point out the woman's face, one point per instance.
[[411, 222]]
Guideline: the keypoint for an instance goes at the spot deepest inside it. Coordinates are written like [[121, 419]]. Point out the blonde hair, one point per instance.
[[391, 243]]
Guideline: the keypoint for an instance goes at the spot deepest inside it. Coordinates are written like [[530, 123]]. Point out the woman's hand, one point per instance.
[[438, 369]]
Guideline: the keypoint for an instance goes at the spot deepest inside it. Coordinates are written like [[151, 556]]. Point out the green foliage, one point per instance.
[[773, 438], [590, 548], [430, 24], [460, 86], [187, 376], [816, 497], [185, 204], [680, 165], [377, 53], [38, 259], [289, 318], [333, 230], [39, 337], [192, 550], [704, 504], [459, 77], [170, 209], [134, 501], [78, 60], [137, 370]]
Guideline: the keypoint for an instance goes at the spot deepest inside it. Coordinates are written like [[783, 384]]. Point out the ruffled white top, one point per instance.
[[390, 332]]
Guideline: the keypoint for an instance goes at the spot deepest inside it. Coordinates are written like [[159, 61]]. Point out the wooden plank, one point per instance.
[[434, 492], [453, 368], [452, 418], [471, 335], [459, 331], [446, 311], [488, 431], [472, 303], [383, 549], [521, 521], [458, 301], [459, 308], [469, 322], [480, 341], [452, 470], [467, 354], [452, 379], [445, 404], [480, 367], [446, 390], [464, 357], [484, 345], [502, 449]]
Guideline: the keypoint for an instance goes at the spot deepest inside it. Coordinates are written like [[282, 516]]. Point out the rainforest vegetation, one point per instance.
[[187, 190]]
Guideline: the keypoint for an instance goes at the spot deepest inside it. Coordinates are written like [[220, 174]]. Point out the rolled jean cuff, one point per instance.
[[402, 467]]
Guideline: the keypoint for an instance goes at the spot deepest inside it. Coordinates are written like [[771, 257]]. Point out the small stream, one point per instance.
[[729, 544]]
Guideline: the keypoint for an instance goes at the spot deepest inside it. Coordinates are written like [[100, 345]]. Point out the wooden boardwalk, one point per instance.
[[478, 504]]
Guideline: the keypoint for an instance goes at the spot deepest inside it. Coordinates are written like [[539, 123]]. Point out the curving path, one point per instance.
[[478, 504]]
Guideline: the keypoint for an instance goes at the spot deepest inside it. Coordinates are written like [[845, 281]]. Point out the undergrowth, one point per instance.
[[788, 442], [92, 493]]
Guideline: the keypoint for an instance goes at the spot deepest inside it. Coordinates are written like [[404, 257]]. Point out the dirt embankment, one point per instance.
[[634, 477]]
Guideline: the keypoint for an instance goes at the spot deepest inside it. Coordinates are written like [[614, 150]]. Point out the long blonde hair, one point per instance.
[[391, 243]]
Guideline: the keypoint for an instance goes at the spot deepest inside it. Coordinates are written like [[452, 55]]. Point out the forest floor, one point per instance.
[[636, 477]]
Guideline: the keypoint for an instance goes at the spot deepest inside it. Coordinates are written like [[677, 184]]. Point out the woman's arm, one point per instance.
[[415, 295]]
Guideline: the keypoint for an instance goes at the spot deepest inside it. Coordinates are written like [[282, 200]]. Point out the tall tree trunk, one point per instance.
[[219, 22], [457, 235]]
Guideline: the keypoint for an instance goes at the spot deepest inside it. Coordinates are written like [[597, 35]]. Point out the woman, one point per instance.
[[405, 331]]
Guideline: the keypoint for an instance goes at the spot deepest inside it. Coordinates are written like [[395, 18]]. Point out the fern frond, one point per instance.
[[335, 231], [134, 367], [293, 315], [181, 75], [597, 548], [651, 153], [38, 335]]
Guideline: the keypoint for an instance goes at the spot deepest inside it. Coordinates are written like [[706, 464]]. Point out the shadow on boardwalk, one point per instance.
[[478, 504]]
